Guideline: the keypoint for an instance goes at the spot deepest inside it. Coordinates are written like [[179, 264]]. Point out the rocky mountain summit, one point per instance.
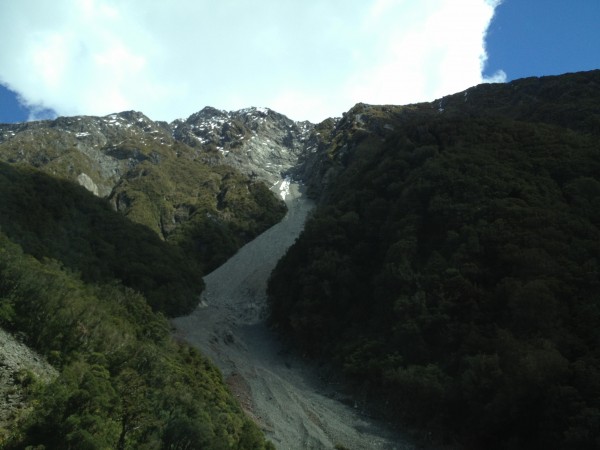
[[98, 152], [257, 141]]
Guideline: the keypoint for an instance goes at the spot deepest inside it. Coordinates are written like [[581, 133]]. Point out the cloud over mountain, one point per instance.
[[309, 60]]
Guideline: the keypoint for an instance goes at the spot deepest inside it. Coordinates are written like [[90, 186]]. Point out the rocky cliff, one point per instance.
[[20, 367]]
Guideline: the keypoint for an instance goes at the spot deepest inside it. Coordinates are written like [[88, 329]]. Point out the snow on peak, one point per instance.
[[284, 187]]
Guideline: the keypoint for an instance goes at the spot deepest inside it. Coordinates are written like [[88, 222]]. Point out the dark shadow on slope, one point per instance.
[[52, 218]]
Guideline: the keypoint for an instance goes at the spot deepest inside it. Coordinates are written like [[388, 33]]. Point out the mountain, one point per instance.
[[448, 277], [257, 141], [200, 183], [450, 274], [568, 101], [98, 152], [106, 224]]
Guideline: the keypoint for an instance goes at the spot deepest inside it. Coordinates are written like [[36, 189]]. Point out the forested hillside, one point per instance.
[[52, 218], [452, 270], [87, 281], [123, 382]]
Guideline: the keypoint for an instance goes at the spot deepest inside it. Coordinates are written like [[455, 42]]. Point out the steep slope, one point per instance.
[[119, 379], [94, 151], [167, 212], [281, 392], [187, 195], [451, 270], [53, 218], [19, 367], [257, 141], [569, 101]]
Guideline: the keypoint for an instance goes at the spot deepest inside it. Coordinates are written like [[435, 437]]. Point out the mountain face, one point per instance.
[[201, 183], [98, 152], [567, 101], [106, 225], [259, 142], [451, 271]]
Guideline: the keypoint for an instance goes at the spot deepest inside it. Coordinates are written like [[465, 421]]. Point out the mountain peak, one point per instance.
[[256, 140]]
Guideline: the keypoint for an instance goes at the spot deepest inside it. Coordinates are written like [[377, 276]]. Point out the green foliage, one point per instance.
[[57, 219], [123, 383], [209, 212], [453, 271]]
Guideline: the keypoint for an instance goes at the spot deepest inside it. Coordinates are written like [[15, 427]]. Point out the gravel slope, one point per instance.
[[279, 390], [16, 359]]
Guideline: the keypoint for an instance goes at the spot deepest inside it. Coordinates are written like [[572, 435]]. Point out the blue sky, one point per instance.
[[308, 60], [544, 37], [10, 108]]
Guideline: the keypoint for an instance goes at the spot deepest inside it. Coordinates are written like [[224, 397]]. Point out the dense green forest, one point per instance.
[[88, 289], [124, 383], [452, 270], [57, 219]]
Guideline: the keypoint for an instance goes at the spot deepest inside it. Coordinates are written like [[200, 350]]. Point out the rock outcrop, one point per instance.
[[257, 141]]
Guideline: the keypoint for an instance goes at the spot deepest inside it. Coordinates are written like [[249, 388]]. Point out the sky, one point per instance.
[[309, 59]]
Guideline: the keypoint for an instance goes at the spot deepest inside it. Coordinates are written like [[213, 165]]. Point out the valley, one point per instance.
[[278, 389]]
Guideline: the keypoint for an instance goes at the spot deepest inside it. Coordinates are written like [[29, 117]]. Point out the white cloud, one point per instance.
[[497, 77], [309, 60]]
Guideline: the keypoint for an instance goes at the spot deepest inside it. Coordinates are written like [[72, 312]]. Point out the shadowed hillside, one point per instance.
[[122, 381], [52, 218], [85, 281], [452, 269]]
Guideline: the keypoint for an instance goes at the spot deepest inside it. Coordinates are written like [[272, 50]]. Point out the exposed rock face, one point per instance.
[[88, 183], [257, 141], [209, 172], [98, 152], [102, 148]]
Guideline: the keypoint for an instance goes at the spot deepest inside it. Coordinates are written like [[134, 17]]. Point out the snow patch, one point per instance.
[[284, 187]]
